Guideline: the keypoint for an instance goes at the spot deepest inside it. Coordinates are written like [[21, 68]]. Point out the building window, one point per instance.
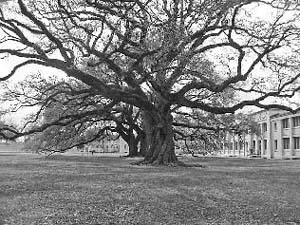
[[241, 145], [286, 143], [276, 145], [265, 144], [264, 127], [285, 123], [264, 147], [296, 121], [296, 142], [235, 145], [275, 126]]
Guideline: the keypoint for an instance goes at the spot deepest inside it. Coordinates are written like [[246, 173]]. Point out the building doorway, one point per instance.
[[259, 148]]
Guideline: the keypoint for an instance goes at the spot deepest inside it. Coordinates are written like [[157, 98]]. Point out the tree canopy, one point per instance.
[[160, 56]]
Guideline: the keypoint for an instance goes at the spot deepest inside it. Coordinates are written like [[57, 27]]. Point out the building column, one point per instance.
[[239, 144], [256, 144], [261, 140], [244, 144], [280, 140], [234, 145], [270, 151], [291, 138], [250, 142], [229, 143], [262, 146], [228, 147], [224, 145]]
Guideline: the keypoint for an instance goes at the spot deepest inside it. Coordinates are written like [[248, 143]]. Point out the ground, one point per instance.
[[108, 190]]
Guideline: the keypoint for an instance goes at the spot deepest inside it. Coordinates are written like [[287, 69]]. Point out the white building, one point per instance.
[[107, 146], [279, 137]]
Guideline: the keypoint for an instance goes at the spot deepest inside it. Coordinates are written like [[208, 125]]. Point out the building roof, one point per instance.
[[276, 113]]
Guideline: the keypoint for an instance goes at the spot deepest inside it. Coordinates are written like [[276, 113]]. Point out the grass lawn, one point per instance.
[[103, 190]]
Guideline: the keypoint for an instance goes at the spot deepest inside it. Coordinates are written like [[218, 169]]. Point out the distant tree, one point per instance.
[[72, 115], [159, 56], [7, 132]]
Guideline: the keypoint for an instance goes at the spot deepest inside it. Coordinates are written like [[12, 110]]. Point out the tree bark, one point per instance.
[[160, 148], [128, 136], [133, 146], [143, 145]]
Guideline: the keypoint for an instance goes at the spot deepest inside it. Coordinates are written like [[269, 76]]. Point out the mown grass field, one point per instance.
[[99, 190]]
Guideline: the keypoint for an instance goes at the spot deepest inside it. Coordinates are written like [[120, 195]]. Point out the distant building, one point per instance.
[[107, 146], [278, 137]]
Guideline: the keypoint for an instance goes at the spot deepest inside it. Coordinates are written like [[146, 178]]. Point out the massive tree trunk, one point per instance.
[[129, 137], [159, 139], [133, 145], [143, 145]]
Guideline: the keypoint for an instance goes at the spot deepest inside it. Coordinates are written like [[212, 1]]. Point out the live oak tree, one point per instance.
[[75, 116], [162, 55]]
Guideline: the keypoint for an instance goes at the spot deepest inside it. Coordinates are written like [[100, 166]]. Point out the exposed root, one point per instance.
[[171, 164], [132, 156], [139, 163], [193, 165]]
